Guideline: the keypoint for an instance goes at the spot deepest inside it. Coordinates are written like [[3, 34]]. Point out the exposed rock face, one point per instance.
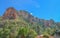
[[24, 14], [10, 13], [28, 16], [57, 35], [33, 19]]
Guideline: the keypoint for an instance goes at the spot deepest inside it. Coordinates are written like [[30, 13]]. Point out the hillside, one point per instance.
[[13, 13], [21, 24]]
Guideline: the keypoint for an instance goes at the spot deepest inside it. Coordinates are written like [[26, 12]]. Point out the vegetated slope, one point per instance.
[[25, 25], [18, 28]]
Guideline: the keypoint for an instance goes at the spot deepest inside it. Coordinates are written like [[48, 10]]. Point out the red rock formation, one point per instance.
[[10, 13]]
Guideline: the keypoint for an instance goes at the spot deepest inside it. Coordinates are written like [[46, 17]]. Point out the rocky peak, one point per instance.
[[10, 13]]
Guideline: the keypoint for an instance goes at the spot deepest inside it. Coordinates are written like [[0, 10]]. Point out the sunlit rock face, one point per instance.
[[10, 13]]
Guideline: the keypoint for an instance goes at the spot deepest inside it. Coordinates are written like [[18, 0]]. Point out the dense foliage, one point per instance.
[[20, 28]]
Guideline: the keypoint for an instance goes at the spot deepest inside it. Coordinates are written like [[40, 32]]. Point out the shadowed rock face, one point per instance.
[[57, 35], [10, 13], [33, 19]]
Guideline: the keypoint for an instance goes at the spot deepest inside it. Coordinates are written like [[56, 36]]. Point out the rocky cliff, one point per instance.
[[12, 13]]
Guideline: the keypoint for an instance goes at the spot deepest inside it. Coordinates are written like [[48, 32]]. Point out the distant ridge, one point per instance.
[[12, 13]]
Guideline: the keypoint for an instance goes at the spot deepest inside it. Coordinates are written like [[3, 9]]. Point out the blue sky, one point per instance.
[[45, 9]]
